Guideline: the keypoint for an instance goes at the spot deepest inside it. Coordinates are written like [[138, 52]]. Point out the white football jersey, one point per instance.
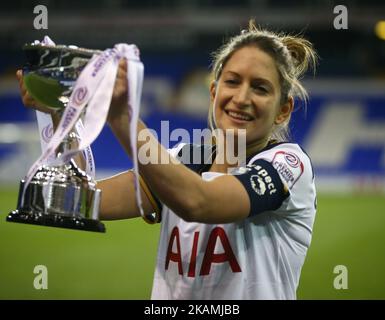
[[258, 258]]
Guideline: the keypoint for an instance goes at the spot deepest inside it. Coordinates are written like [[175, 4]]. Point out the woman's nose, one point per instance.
[[242, 97]]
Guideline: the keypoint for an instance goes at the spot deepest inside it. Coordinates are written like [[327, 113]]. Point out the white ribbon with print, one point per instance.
[[94, 87]]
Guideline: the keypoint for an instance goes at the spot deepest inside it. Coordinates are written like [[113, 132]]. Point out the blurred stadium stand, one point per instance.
[[343, 128]]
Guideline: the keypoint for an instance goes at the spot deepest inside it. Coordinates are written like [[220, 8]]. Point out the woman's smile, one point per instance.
[[239, 116]]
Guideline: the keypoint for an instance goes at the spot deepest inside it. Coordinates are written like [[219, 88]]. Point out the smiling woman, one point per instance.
[[227, 231]]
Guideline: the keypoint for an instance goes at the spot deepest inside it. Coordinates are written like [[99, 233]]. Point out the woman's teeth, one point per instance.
[[239, 116]]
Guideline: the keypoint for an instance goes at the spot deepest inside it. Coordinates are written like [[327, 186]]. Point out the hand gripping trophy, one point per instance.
[[77, 83]]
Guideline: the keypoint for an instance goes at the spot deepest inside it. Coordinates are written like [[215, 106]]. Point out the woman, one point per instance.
[[228, 232]]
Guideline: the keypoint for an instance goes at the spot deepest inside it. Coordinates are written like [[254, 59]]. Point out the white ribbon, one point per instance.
[[94, 87], [135, 77]]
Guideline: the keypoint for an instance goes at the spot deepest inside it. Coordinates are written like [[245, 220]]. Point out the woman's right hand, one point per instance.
[[28, 101]]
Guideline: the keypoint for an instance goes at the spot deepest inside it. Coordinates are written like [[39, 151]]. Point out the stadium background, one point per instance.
[[343, 130]]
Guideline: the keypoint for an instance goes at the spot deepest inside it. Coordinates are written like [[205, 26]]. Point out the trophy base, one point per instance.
[[56, 220]]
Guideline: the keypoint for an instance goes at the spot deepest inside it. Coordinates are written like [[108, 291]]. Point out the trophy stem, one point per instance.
[[71, 140]]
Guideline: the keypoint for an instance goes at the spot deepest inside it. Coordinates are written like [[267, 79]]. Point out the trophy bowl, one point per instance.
[[51, 72], [64, 195]]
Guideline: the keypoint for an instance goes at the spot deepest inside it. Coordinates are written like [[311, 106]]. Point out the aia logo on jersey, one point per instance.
[[289, 166], [210, 254]]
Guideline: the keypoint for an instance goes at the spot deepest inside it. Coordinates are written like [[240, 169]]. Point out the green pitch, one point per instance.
[[349, 231]]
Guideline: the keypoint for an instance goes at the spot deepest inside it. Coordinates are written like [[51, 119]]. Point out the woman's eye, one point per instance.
[[261, 89], [231, 81]]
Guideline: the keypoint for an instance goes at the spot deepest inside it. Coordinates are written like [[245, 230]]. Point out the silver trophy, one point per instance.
[[58, 196]]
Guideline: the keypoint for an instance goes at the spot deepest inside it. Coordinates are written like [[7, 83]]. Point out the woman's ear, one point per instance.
[[284, 111], [213, 90]]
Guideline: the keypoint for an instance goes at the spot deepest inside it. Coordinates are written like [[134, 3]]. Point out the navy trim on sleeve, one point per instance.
[[263, 185]]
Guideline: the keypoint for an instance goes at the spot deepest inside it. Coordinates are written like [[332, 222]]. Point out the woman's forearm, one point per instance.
[[120, 127]]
